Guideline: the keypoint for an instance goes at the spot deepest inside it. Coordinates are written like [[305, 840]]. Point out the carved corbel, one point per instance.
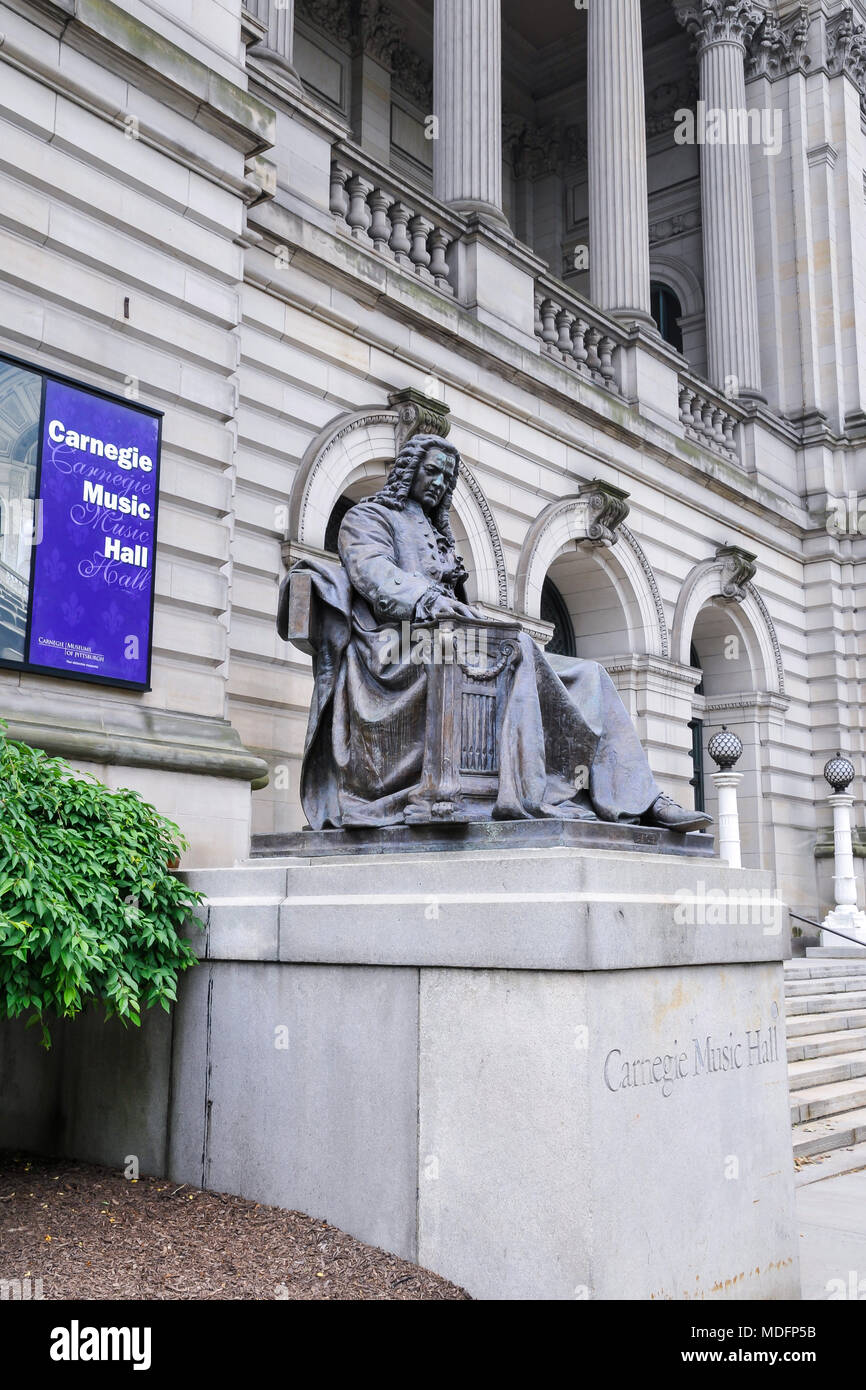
[[418, 414], [738, 570], [607, 509]]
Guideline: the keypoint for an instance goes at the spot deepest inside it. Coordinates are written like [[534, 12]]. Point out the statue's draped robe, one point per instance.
[[566, 748]]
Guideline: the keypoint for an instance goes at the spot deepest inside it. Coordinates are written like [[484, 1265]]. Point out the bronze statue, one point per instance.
[[392, 739]]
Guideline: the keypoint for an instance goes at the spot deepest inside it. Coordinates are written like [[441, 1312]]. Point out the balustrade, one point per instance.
[[573, 334], [708, 417], [383, 215]]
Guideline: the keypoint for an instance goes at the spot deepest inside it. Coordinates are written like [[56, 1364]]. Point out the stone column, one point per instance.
[[721, 30], [467, 101], [279, 47], [281, 28], [619, 271]]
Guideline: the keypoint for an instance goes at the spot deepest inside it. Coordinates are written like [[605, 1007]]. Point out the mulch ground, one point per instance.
[[88, 1232]]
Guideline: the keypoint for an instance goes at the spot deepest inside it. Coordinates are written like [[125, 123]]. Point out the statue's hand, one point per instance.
[[446, 607]]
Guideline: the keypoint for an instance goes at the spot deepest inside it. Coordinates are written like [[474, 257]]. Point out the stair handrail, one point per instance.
[[832, 930]]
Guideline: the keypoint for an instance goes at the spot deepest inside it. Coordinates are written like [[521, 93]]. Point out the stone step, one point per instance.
[[826, 970], [840, 952], [834, 1020], [830, 1044], [813, 1102], [826, 985], [817, 1167], [836, 1132], [824, 1003], [824, 1071]]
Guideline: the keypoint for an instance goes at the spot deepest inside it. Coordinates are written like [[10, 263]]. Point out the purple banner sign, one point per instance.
[[93, 577]]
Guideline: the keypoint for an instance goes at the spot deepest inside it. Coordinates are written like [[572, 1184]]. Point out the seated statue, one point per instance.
[[566, 747]]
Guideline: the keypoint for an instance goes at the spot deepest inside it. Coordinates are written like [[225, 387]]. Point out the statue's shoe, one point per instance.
[[668, 814]]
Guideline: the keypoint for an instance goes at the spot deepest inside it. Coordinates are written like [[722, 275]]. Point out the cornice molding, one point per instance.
[[58, 79]]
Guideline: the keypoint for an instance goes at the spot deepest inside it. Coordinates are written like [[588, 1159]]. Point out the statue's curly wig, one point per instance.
[[396, 491]]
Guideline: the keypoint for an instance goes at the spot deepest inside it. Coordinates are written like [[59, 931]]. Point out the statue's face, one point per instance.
[[432, 478]]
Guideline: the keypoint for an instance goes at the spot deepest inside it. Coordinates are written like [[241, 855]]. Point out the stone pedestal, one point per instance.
[[545, 1074]]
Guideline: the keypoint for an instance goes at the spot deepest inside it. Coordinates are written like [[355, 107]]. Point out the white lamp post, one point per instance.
[[845, 916], [726, 749]]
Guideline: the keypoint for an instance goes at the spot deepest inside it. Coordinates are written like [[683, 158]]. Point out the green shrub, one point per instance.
[[89, 910]]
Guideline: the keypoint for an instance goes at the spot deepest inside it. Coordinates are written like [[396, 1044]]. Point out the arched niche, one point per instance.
[[604, 614], [618, 574], [352, 455], [723, 619], [714, 583]]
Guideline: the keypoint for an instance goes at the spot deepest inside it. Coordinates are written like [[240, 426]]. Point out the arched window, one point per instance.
[[553, 610], [667, 312]]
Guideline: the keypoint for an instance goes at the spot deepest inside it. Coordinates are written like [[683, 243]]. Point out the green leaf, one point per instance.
[[90, 913]]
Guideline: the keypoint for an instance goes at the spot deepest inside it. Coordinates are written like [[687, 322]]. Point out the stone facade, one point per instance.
[[258, 182]]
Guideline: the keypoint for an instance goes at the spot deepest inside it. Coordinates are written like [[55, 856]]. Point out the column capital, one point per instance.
[[721, 21], [779, 46], [846, 49]]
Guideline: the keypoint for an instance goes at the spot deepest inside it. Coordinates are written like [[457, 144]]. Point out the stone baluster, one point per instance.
[[618, 211], [419, 230], [686, 398], [339, 201], [359, 215], [606, 350], [593, 337], [400, 242], [709, 412], [439, 243], [579, 330], [539, 322], [379, 230], [549, 334], [563, 325], [721, 29]]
